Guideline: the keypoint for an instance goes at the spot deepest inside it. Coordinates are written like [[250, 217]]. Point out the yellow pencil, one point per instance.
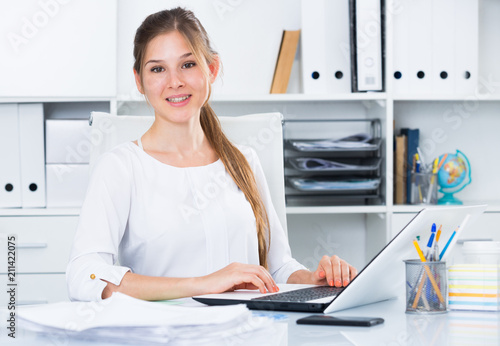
[[429, 274]]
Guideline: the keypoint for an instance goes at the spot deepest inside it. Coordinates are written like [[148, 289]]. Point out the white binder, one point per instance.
[[313, 46], [466, 49], [31, 140], [10, 171], [443, 71], [368, 45], [337, 44], [420, 62], [401, 49]]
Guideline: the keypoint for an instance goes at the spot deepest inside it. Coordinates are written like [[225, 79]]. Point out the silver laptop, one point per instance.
[[383, 278]]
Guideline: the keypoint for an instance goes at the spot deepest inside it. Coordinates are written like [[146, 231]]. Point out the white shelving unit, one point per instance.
[[355, 233]]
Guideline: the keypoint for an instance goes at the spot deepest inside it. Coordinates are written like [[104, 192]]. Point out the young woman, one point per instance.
[[134, 209]]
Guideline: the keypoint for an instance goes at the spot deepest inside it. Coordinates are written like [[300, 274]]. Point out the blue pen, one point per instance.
[[428, 254], [447, 244]]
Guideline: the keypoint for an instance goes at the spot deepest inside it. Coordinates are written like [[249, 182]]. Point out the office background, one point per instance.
[[73, 57]]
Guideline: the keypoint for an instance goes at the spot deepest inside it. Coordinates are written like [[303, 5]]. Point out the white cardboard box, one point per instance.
[[67, 141], [66, 184]]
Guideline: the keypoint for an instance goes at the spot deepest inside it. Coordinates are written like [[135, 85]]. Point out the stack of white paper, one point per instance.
[[474, 287], [130, 320]]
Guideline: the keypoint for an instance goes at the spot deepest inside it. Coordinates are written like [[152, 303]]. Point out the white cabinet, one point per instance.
[[42, 250], [55, 49], [37, 289], [41, 242]]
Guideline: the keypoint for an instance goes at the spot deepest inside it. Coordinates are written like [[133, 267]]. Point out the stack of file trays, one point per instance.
[[333, 169], [316, 165]]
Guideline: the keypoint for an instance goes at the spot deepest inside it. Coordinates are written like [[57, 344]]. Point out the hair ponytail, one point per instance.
[[238, 168]]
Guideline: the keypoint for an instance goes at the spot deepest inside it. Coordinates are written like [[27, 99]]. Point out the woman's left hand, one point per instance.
[[334, 271]]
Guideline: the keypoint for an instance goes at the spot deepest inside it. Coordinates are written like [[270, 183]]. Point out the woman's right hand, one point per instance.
[[240, 276]]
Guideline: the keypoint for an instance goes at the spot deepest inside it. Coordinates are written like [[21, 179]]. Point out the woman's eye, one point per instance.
[[157, 69], [188, 65]]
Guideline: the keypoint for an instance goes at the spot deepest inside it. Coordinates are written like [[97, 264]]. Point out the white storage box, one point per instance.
[[67, 141], [66, 184]]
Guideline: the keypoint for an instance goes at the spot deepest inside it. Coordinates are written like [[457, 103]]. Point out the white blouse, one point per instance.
[[160, 220]]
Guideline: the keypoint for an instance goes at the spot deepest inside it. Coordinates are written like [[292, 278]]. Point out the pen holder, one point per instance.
[[424, 188], [426, 287]]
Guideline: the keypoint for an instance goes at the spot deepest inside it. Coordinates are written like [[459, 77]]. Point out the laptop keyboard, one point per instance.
[[303, 294]]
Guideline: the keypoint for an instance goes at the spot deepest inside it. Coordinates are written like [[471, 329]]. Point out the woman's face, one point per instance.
[[172, 81]]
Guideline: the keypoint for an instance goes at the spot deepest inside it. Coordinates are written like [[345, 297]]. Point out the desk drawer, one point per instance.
[[36, 289], [43, 243]]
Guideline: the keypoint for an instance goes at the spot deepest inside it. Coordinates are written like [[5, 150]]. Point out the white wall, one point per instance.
[[246, 34]]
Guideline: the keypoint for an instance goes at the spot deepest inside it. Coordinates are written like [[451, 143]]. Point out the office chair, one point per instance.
[[263, 132]]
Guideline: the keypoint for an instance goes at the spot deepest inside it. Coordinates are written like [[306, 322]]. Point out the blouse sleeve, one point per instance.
[[101, 226], [280, 261]]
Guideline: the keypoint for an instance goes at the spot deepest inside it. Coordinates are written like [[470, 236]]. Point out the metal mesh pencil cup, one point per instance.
[[426, 287]]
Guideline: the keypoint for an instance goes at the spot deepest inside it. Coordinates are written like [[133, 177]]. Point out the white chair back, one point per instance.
[[263, 132]]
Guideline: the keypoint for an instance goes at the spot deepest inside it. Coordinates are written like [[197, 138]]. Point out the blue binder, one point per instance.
[[412, 136]]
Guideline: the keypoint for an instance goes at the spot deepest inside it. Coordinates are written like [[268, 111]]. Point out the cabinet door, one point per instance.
[[58, 48], [43, 243], [36, 289]]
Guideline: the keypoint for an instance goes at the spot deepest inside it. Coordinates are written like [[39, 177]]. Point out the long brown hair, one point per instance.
[[186, 23]]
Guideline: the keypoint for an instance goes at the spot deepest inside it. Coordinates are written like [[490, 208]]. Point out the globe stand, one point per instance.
[[449, 199]]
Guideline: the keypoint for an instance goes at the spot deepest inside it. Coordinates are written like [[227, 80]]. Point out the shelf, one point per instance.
[[300, 97], [493, 207], [42, 99], [363, 209], [39, 212], [281, 97], [447, 98]]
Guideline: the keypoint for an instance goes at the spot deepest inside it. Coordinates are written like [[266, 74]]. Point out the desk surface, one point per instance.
[[399, 328]]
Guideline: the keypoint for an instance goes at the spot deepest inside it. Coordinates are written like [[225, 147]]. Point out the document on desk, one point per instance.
[[127, 319]]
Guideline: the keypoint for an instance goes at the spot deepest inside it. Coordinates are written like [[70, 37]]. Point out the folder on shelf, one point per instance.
[[466, 48], [313, 46], [401, 50], [10, 171], [32, 150], [325, 47], [412, 139], [443, 47], [420, 38], [366, 45], [286, 56], [400, 170], [338, 47]]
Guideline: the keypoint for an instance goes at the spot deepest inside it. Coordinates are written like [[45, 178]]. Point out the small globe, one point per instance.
[[453, 176], [452, 172]]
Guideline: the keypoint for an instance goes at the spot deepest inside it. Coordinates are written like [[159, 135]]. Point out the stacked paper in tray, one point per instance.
[[474, 287], [124, 319]]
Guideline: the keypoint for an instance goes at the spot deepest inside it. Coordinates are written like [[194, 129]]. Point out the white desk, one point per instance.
[[452, 328]]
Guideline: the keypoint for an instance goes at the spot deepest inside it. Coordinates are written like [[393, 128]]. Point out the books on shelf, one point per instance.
[[286, 56], [400, 169], [405, 148]]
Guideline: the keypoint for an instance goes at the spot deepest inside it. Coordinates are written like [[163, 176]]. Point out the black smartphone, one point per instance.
[[341, 320]]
